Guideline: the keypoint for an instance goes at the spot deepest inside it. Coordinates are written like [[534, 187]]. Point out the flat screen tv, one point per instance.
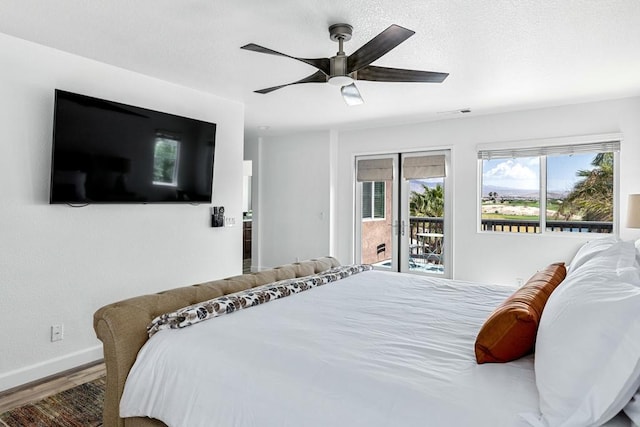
[[108, 152]]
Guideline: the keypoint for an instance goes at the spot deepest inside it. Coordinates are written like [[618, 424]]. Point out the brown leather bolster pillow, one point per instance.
[[510, 331]]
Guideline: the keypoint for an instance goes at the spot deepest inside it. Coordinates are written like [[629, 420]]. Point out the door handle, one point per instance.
[[403, 226]]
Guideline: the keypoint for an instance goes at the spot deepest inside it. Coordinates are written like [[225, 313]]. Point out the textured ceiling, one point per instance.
[[501, 55]]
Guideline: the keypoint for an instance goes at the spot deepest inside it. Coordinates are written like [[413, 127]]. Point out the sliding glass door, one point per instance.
[[402, 212]]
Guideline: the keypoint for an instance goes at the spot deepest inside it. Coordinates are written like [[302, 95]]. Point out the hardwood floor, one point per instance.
[[45, 387]]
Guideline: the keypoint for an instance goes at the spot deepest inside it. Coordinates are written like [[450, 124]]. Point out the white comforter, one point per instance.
[[374, 349]]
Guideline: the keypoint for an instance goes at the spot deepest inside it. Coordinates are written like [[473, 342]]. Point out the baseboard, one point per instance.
[[50, 367]]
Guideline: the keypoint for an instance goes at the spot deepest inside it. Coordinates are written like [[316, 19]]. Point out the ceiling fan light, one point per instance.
[[351, 95], [340, 80]]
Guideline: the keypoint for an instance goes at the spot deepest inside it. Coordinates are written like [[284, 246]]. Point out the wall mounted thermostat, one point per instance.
[[217, 216]]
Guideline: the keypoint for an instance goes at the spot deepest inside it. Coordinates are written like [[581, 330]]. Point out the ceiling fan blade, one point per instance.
[[377, 46], [351, 95], [384, 74], [321, 64], [317, 77]]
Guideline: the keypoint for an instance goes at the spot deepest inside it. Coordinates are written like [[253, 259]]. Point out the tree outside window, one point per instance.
[[428, 199], [590, 197]]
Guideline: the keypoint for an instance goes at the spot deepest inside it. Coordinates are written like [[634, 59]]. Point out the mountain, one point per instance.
[[502, 191], [520, 193]]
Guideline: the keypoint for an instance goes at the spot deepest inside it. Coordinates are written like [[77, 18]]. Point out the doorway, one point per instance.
[[402, 212], [247, 216]]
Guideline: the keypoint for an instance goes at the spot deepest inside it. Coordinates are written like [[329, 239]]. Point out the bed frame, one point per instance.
[[122, 326]]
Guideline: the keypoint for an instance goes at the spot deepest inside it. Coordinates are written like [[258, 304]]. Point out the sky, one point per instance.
[[524, 172]]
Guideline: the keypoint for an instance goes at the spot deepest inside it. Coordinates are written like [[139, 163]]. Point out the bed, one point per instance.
[[361, 347]]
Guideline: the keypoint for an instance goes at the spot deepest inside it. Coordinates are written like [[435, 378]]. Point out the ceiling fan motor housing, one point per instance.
[[338, 70], [338, 75]]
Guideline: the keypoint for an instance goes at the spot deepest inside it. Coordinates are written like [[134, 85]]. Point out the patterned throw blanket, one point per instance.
[[248, 298]]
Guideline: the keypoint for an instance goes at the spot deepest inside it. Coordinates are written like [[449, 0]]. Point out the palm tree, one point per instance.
[[429, 202], [592, 196]]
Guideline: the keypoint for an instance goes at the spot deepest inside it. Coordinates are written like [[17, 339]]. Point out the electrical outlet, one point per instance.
[[57, 332]]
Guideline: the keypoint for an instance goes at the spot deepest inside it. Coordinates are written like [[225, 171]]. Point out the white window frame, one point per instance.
[[373, 202], [541, 148]]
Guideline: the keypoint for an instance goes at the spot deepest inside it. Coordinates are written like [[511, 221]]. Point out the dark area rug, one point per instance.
[[80, 406]]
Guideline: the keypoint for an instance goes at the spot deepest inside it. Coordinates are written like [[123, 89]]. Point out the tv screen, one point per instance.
[[107, 152]]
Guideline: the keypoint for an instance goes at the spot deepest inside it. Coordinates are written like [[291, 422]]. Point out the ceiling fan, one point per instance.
[[343, 70]]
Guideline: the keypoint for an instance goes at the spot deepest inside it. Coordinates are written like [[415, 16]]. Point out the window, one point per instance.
[[373, 200], [563, 188], [165, 160]]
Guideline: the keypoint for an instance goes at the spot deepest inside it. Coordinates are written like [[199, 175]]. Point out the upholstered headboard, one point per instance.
[[122, 326]]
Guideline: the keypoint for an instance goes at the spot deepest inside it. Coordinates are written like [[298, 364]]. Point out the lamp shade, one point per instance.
[[633, 211]]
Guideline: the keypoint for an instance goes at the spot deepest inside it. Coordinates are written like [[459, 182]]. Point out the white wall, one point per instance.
[[293, 207], [494, 257], [59, 264]]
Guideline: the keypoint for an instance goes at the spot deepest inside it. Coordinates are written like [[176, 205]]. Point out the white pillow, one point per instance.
[[587, 355], [590, 250], [633, 409], [618, 259]]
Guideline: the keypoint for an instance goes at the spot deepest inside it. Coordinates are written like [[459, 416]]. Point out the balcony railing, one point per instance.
[[422, 224], [418, 247], [533, 226], [434, 225]]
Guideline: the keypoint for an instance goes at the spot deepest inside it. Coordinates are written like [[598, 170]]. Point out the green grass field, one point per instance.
[[516, 217], [552, 205]]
